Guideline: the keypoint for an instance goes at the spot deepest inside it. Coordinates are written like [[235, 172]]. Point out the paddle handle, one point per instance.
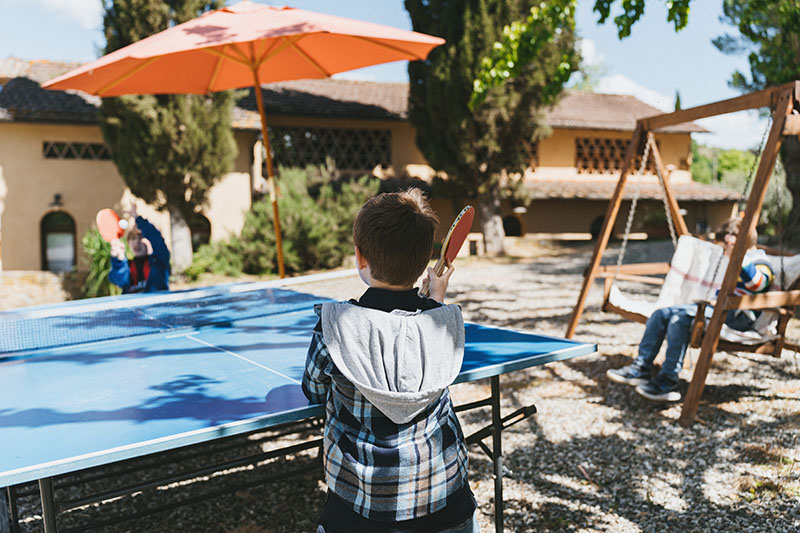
[[438, 268]]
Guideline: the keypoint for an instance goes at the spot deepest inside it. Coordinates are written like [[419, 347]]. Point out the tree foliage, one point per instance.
[[477, 147], [317, 211], [769, 33], [523, 38], [734, 170], [169, 149], [632, 11]]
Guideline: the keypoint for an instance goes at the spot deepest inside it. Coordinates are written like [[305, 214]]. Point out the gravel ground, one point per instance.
[[596, 456]]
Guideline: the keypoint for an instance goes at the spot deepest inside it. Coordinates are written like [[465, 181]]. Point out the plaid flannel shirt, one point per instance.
[[387, 472]]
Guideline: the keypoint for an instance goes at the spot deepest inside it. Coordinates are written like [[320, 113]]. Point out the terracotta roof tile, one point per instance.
[[39, 70], [583, 109], [23, 99], [327, 98], [332, 98], [603, 190]]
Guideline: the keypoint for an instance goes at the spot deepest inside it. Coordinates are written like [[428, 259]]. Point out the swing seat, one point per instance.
[[777, 307], [688, 279]]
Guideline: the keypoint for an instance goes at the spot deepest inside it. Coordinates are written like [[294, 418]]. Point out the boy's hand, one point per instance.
[[118, 249], [130, 211], [438, 284]]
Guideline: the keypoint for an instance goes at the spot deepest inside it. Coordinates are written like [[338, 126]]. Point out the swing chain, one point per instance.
[[632, 210], [756, 160], [670, 222]]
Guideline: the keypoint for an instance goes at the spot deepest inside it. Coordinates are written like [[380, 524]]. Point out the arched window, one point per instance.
[[58, 242], [201, 230]]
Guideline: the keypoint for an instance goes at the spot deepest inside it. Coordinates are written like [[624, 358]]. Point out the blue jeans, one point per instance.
[[674, 324]]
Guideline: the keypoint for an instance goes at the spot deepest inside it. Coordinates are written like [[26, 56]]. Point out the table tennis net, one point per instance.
[[104, 319]]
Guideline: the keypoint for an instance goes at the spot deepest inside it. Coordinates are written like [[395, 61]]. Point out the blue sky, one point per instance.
[[652, 64]]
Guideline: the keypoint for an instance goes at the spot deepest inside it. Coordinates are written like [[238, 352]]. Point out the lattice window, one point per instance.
[[351, 149], [594, 155], [72, 150]]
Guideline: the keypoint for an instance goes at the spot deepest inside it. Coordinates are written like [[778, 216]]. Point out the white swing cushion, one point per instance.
[[693, 263]]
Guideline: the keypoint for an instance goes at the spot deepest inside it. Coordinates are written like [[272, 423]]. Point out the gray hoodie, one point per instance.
[[399, 361]]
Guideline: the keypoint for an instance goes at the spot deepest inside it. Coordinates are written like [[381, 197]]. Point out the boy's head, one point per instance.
[[394, 233], [139, 245], [729, 233]]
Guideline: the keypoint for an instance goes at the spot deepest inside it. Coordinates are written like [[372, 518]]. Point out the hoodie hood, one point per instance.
[[399, 361]]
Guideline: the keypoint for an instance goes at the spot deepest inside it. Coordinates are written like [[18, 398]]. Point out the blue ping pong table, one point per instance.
[[90, 383]]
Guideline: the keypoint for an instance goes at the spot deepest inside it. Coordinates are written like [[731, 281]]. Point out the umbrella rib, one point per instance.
[[235, 59], [215, 74], [309, 59], [116, 81], [267, 50], [286, 43], [248, 60], [389, 46]]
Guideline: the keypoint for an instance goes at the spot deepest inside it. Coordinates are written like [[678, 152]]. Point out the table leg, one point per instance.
[[497, 433], [5, 518], [48, 505]]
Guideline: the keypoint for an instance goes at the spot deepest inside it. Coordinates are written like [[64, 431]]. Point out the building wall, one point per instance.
[[556, 154], [30, 182], [406, 157]]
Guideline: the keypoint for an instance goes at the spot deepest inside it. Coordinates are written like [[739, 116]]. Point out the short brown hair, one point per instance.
[[394, 233], [732, 227]]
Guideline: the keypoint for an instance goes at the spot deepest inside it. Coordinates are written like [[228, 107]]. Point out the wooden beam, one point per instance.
[[638, 279], [782, 108], [605, 233], [672, 204], [763, 98], [636, 268], [767, 300]]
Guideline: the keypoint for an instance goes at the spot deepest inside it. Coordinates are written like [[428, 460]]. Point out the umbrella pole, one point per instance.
[[270, 176]]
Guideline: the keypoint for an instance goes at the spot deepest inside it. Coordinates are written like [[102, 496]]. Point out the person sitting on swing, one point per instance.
[[674, 324]]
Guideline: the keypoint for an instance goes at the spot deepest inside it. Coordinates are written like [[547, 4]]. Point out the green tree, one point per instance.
[[677, 100], [703, 163], [479, 148], [769, 33], [522, 39], [169, 149]]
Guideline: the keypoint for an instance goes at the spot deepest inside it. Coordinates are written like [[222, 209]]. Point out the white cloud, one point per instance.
[[354, 76], [87, 13], [743, 130], [591, 57], [619, 84]]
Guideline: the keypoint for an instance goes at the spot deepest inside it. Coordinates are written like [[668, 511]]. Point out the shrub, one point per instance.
[[98, 259], [317, 209]]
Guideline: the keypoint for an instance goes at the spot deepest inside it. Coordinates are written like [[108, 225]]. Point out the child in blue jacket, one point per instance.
[[149, 269]]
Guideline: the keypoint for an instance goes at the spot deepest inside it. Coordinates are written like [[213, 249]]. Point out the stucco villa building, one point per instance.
[[56, 172]]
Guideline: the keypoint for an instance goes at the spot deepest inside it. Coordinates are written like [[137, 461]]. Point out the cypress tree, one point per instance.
[[477, 148], [169, 149]]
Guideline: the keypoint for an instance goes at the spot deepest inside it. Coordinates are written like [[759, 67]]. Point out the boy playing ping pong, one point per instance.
[[149, 269], [394, 454]]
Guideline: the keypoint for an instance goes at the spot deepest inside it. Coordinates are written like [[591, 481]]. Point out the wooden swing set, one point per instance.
[[784, 102]]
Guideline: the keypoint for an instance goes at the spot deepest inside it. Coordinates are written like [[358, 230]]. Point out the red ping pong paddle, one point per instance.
[[455, 237], [109, 224]]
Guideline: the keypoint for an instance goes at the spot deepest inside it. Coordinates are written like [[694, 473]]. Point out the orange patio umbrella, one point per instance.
[[245, 45]]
